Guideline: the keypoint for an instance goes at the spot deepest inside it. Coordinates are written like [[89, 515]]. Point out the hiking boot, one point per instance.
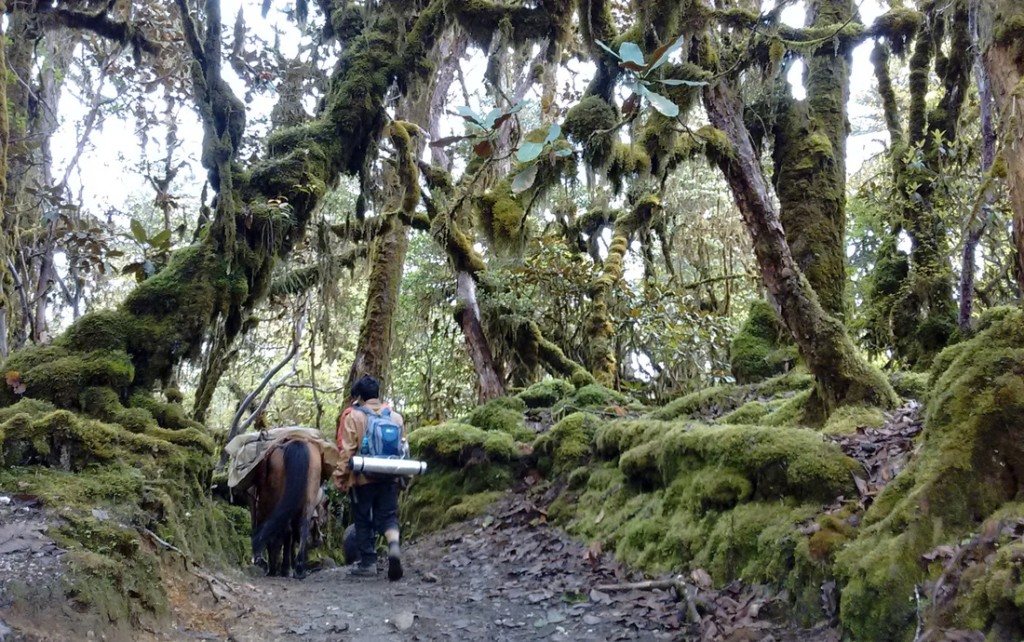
[[394, 562], [363, 570]]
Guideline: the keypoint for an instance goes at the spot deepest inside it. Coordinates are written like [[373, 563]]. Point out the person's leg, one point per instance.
[[385, 521], [362, 512]]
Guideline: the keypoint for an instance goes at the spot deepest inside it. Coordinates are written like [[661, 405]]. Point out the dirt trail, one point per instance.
[[504, 576]]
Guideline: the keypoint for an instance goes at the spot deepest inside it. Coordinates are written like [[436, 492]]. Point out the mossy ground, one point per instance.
[[970, 467], [106, 483]]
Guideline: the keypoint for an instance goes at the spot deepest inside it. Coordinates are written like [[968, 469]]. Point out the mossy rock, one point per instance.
[[502, 415], [616, 437], [970, 465], [846, 420], [55, 374], [762, 348], [455, 444], [570, 442], [598, 395], [910, 385], [725, 398], [545, 394], [779, 462]]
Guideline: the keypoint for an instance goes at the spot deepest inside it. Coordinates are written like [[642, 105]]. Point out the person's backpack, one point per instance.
[[383, 437]]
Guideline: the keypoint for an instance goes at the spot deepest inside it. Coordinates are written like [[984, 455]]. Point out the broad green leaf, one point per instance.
[[562, 153], [524, 179], [553, 133], [529, 151], [469, 114], [630, 52], [662, 53], [607, 48], [138, 231], [163, 237], [675, 82], [665, 106], [491, 117]]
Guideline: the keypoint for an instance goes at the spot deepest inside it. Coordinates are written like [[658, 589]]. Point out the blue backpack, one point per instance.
[[383, 437]]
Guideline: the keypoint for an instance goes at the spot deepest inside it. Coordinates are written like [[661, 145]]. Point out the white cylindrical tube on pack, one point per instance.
[[386, 466]]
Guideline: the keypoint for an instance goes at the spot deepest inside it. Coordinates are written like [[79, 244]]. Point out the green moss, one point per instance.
[[910, 385], [749, 413], [598, 395], [616, 437], [762, 348], [502, 415], [780, 461], [454, 444], [755, 542], [795, 380], [716, 489], [54, 374], [994, 599], [846, 420], [569, 442], [969, 465], [628, 161], [446, 495], [586, 118], [545, 394], [725, 398], [471, 506], [792, 412]]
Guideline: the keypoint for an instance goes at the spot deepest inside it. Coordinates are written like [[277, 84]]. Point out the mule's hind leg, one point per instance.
[[274, 558], [288, 540]]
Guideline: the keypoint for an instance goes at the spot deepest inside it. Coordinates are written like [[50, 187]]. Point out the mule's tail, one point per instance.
[[296, 466]]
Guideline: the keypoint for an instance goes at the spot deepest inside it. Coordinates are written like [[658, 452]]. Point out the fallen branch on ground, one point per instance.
[[683, 589]]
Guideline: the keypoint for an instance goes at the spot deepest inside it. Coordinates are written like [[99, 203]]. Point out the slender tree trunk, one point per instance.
[[467, 315], [988, 152], [1003, 53], [842, 376]]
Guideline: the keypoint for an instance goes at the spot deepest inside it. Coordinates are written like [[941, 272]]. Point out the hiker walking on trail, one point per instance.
[[374, 499]]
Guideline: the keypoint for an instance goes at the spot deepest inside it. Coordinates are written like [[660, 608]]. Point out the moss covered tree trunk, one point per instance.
[[810, 161], [923, 314], [1001, 35], [601, 330], [387, 260], [842, 376]]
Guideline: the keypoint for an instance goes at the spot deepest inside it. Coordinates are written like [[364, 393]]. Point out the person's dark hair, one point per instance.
[[365, 389]]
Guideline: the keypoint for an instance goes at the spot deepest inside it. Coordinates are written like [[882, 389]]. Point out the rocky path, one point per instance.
[[504, 576]]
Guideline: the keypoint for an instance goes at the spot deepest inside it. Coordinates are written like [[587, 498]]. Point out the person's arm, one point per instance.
[[348, 446]]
